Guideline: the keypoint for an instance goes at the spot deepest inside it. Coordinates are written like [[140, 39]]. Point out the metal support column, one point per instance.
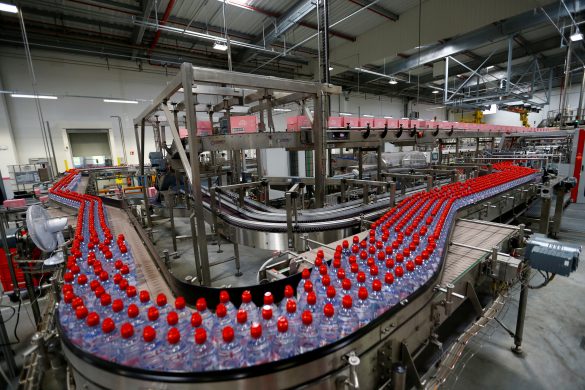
[[559, 207], [144, 183], [190, 102], [524, 278], [509, 67], [379, 164], [440, 151], [544, 215], [259, 164], [582, 91], [360, 164], [320, 155], [392, 193]]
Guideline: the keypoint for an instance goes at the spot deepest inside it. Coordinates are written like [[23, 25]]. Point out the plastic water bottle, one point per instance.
[[258, 349], [204, 356], [206, 315], [176, 351], [135, 316], [154, 319], [150, 357], [307, 289], [161, 303], [229, 352], [284, 341], [249, 307], [173, 320], [268, 323], [130, 351], [75, 328], [224, 298], [332, 297], [241, 327], [222, 321], [119, 315], [363, 308], [182, 310], [92, 333], [308, 334], [329, 328], [292, 316], [269, 300], [346, 317], [305, 277], [106, 346], [377, 298]]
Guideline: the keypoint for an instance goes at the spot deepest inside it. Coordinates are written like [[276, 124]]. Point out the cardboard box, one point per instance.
[[296, 123], [14, 203], [335, 122], [244, 124], [392, 123]]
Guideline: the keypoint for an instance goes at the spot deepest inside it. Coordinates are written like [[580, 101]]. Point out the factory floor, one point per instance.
[[554, 333]]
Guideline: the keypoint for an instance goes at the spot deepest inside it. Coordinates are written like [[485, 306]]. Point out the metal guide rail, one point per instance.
[[323, 365]]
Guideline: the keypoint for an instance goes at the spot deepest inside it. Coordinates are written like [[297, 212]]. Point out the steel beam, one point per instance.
[[491, 33], [378, 9]]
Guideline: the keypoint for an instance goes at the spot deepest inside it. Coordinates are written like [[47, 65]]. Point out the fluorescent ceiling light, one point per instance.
[[221, 46], [367, 116], [245, 4], [388, 117], [120, 101], [490, 67], [18, 95], [435, 91], [345, 114], [8, 8], [393, 82], [576, 37], [281, 110]]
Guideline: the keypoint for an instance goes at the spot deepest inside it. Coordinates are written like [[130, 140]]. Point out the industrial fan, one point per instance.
[[46, 232]]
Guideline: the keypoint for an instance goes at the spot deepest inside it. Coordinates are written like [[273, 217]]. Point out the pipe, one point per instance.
[[162, 22]]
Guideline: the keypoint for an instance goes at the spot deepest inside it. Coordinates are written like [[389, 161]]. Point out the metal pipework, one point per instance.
[[398, 376]]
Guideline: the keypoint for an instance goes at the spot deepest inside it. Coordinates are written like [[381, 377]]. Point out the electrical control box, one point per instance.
[[547, 255]]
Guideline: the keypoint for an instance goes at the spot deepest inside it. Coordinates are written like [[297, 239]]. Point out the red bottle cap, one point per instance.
[[152, 313], [256, 330], [200, 336], [361, 277], [346, 284], [172, 318], [331, 292], [68, 277], [291, 306], [363, 293], [227, 334], [131, 291], [161, 300], [326, 280], [93, 319], [312, 298], [282, 324], [328, 310], [308, 286], [179, 303], [81, 312], [242, 316], [307, 318], [127, 330], [93, 284], [399, 271], [246, 296], [117, 305], [268, 298], [224, 296], [196, 320], [133, 311], [123, 285], [288, 291], [148, 334], [221, 310], [173, 336], [144, 296], [347, 302], [108, 325], [266, 312], [117, 278], [201, 304], [376, 285]]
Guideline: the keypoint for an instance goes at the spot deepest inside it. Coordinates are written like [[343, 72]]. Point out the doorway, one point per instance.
[[90, 147]]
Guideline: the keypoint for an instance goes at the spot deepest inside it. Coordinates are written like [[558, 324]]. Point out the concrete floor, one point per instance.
[[554, 333]]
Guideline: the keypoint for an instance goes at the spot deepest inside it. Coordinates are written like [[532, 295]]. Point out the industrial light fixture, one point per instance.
[[388, 117], [10, 8], [281, 110], [577, 36], [120, 101], [435, 91], [18, 95], [490, 67], [345, 114], [330, 68], [220, 46], [367, 116], [245, 4], [393, 82]]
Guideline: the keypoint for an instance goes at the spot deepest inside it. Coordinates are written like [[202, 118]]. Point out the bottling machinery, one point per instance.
[[432, 230]]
